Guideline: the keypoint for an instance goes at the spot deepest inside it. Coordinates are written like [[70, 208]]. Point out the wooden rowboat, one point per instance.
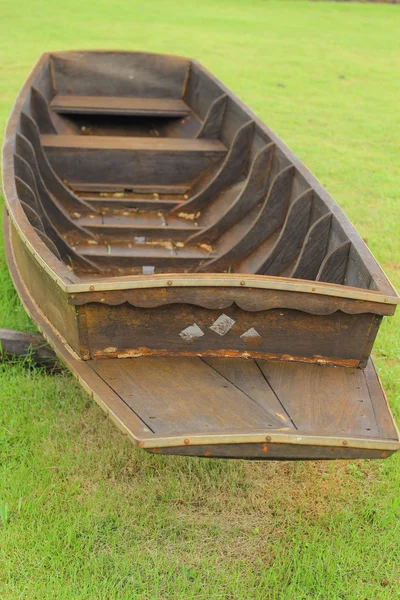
[[189, 270]]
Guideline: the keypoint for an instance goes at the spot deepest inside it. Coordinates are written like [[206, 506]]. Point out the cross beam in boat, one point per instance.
[[110, 105]]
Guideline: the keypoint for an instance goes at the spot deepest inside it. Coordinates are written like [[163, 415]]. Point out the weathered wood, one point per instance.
[[50, 205], [41, 113], [49, 243], [127, 74], [268, 451], [163, 256], [249, 441], [47, 296], [211, 127], [114, 105], [269, 218], [140, 144], [225, 297], [290, 240], [133, 163], [248, 377], [333, 267], [314, 249], [189, 330], [117, 204], [28, 146], [32, 215], [183, 404], [250, 193], [341, 404], [31, 347], [64, 248], [234, 164], [125, 225], [145, 204]]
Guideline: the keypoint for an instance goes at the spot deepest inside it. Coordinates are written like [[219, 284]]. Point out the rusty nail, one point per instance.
[[169, 282], [91, 287], [268, 438], [344, 443], [242, 283], [313, 290], [386, 299], [187, 441]]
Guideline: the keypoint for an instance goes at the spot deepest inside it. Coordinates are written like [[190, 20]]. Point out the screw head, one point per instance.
[[169, 282], [187, 441]]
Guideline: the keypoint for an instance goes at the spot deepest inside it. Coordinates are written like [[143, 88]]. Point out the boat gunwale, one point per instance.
[[71, 283], [90, 380]]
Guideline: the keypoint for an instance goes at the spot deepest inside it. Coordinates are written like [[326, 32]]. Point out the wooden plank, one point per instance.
[[289, 242], [182, 395], [40, 112], [212, 124], [116, 227], [51, 208], [132, 161], [229, 172], [116, 73], [333, 400], [119, 105], [314, 249], [46, 293], [163, 256], [33, 152], [385, 423], [333, 267], [30, 346], [247, 377], [150, 204], [81, 186], [222, 297], [183, 329], [247, 443], [32, 215], [56, 242], [242, 200], [201, 90], [50, 244], [132, 144], [278, 451], [270, 216]]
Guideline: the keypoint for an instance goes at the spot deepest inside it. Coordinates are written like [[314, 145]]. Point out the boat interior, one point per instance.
[[140, 164]]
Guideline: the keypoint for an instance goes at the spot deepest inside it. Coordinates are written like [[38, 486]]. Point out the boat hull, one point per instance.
[[188, 269], [230, 426]]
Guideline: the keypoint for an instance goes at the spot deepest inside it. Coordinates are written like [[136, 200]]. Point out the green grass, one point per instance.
[[83, 514]]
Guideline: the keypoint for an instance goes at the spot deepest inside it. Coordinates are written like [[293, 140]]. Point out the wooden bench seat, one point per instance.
[[110, 105], [100, 142]]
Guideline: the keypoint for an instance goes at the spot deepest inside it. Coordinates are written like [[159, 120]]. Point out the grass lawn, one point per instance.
[[83, 514]]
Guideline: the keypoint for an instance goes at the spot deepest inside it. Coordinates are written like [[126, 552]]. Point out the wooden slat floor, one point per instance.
[[178, 395]]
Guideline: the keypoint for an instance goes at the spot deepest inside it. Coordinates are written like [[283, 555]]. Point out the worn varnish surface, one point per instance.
[[122, 138], [229, 407], [228, 396], [121, 168]]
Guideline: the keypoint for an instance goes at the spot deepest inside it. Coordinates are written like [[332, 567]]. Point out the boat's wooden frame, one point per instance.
[[88, 320], [266, 445]]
